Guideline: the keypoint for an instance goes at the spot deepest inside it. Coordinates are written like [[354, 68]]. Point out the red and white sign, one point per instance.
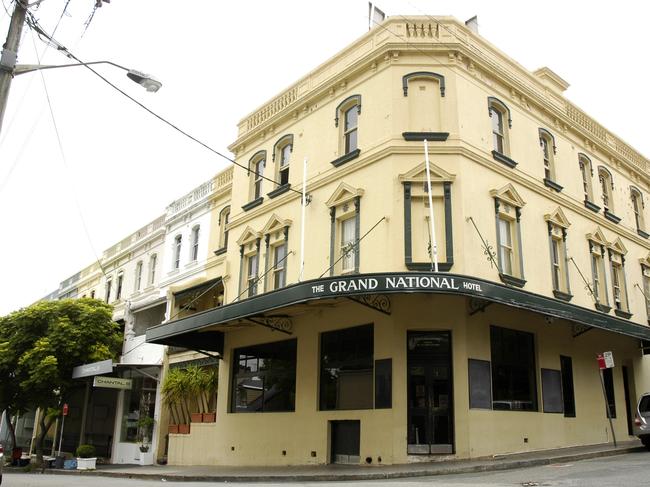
[[605, 360], [65, 409]]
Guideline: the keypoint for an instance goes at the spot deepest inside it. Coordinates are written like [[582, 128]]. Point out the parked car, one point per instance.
[[642, 420]]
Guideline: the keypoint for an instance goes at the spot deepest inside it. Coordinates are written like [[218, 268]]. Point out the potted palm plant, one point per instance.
[[175, 396]]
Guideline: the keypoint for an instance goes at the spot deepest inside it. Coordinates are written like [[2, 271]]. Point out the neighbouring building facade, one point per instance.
[[371, 357]]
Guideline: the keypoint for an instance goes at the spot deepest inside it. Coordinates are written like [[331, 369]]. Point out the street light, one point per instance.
[[150, 83], [7, 71]]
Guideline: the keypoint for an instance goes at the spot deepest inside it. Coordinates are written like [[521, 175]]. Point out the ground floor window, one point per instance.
[[138, 408], [514, 385], [346, 370], [264, 378], [566, 368], [608, 378]]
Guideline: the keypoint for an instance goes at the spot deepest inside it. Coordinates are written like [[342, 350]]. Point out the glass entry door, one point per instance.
[[430, 396]]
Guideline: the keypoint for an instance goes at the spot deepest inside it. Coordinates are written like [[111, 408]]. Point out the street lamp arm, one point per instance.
[[28, 68], [150, 83]]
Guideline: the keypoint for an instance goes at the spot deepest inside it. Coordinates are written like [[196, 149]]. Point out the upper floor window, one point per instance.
[[619, 286], [120, 282], [276, 236], [224, 217], [138, 276], [152, 268], [279, 265], [606, 186], [344, 205], [508, 205], [194, 249], [501, 123], [249, 249], [557, 232], [348, 112], [637, 207], [645, 276], [425, 91], [109, 284], [282, 156], [586, 173], [597, 244], [256, 167], [547, 143], [178, 242]]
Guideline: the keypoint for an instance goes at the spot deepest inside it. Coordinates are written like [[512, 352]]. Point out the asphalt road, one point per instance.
[[628, 470]]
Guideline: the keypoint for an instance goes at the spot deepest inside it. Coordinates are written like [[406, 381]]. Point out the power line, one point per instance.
[[33, 23]]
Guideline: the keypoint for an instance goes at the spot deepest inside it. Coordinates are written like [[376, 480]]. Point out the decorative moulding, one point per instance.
[[592, 206], [511, 280], [253, 204], [346, 158], [552, 184], [420, 136], [502, 158], [611, 217]]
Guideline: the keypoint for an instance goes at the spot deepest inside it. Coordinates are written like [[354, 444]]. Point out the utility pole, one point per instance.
[[10, 54]]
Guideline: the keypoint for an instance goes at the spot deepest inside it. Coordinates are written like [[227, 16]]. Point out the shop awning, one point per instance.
[[187, 332]]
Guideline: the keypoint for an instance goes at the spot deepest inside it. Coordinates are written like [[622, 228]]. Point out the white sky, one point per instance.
[[219, 60]]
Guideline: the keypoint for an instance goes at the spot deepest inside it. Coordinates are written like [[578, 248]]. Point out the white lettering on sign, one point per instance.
[[366, 284], [318, 289], [474, 286], [609, 359], [421, 282]]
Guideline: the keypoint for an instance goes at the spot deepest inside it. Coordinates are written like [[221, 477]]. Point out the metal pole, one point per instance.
[[82, 431], [10, 53], [609, 413], [434, 245], [302, 221], [61, 435]]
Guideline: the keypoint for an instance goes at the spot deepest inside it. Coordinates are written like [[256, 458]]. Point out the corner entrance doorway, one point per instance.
[[430, 394]]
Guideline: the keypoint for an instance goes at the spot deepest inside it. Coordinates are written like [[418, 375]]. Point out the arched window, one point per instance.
[[281, 156], [194, 243], [224, 215], [138, 276], [256, 166], [499, 114], [152, 268], [607, 193], [637, 207], [586, 171], [348, 111], [547, 143], [178, 242]]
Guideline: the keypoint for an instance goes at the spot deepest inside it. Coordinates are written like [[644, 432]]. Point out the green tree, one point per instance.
[[39, 347]]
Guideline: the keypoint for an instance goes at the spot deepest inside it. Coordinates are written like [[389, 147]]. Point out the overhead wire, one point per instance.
[[33, 23]]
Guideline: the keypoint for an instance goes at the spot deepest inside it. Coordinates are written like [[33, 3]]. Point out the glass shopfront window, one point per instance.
[[264, 378], [139, 402], [346, 370]]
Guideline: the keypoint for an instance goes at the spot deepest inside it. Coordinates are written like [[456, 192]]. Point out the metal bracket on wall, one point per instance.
[[378, 302], [477, 304], [277, 323], [202, 352], [579, 329]]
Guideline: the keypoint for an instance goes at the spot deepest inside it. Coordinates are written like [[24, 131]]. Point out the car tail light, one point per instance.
[[637, 420]]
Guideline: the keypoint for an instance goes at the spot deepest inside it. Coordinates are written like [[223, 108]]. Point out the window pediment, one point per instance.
[[645, 261], [343, 194], [617, 246], [275, 224], [597, 237], [557, 218], [508, 194], [419, 175], [248, 236]]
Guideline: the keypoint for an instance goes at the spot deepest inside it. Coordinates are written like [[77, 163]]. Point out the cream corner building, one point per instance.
[[541, 243]]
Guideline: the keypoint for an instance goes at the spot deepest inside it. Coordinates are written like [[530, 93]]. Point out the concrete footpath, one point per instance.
[[354, 472]]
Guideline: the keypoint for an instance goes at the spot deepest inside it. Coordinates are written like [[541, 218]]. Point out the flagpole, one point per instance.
[[434, 245], [302, 220]]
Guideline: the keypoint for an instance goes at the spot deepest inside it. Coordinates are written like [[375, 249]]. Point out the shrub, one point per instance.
[[86, 451]]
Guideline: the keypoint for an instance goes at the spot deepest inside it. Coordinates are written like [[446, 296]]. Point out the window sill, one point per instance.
[[221, 251], [592, 206], [512, 280], [642, 233], [426, 266], [253, 204], [611, 217], [549, 183], [561, 295], [279, 190], [623, 314], [502, 158], [346, 158], [420, 136], [602, 308]]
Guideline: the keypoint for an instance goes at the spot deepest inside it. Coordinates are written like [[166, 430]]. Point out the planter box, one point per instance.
[[184, 429], [86, 463], [172, 428], [146, 458], [209, 417], [196, 417]]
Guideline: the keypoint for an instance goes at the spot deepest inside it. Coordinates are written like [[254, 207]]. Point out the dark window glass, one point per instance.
[[264, 378], [644, 404], [350, 129], [608, 377], [346, 368], [566, 366], [384, 383], [514, 385]]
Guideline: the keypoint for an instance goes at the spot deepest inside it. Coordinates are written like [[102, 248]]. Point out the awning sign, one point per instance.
[[606, 360], [111, 382], [96, 368]]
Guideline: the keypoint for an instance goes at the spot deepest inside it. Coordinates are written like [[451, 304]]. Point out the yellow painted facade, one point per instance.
[[403, 82]]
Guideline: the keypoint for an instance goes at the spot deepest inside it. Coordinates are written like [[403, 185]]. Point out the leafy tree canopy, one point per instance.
[[41, 344]]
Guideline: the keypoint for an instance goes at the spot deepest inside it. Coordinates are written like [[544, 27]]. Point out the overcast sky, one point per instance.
[[118, 167]]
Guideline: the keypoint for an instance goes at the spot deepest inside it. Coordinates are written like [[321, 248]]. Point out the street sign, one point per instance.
[[606, 360], [65, 409], [111, 382], [96, 368]]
